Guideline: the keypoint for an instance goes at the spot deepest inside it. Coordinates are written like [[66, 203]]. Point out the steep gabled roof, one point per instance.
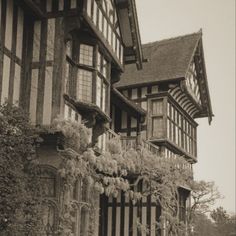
[[167, 59]]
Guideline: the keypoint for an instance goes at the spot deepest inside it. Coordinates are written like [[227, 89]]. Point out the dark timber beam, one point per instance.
[[34, 8]]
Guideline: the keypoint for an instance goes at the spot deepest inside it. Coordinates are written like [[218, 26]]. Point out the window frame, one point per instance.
[[52, 201], [186, 127], [75, 66], [157, 116]]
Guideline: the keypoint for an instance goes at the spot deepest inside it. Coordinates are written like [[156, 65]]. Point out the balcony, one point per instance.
[[134, 142]]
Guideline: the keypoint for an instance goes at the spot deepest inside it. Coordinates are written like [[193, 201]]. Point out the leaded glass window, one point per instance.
[[157, 118], [49, 224], [86, 55], [84, 85], [180, 130]]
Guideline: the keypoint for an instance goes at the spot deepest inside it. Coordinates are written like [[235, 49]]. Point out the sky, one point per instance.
[[160, 19]]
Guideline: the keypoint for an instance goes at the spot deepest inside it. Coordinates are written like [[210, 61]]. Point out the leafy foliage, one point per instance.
[[19, 185], [110, 173], [224, 224]]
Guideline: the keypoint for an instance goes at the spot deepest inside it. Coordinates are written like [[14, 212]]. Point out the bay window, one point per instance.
[[86, 55], [180, 130], [84, 85], [169, 122], [87, 74], [157, 118]]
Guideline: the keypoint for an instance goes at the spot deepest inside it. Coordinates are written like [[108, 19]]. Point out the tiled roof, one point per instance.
[[167, 59]]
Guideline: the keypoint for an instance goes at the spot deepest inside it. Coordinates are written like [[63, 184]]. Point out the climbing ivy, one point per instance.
[[106, 173], [110, 172], [19, 184]]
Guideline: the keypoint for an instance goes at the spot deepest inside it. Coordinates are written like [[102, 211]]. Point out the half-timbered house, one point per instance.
[[68, 57], [172, 88], [60, 57]]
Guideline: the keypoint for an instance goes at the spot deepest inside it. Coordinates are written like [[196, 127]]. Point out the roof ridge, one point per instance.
[[163, 41]]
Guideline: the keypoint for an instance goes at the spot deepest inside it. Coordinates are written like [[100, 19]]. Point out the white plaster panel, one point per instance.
[[16, 90], [153, 221], [143, 92], [47, 102], [9, 24], [133, 122], [73, 4], [0, 13], [135, 211], [117, 221], [49, 5], [66, 112], [154, 89], [19, 39], [109, 221], [61, 5], [124, 120], [50, 39], [33, 95], [134, 93], [126, 221], [36, 41], [5, 78]]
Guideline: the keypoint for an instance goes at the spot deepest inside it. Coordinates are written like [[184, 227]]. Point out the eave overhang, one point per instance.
[[130, 107], [133, 48], [87, 108]]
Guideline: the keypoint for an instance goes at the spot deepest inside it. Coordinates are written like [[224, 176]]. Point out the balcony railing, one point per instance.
[[134, 142]]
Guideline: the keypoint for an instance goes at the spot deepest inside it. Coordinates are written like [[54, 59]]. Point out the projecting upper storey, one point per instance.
[[179, 63], [114, 22]]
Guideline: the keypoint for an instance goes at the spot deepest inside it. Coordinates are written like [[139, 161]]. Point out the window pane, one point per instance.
[[157, 126], [99, 62], [84, 86], [67, 77], [168, 109], [86, 55], [168, 128], [105, 68], [48, 220], [48, 185], [104, 97], [157, 107], [176, 135], [98, 91]]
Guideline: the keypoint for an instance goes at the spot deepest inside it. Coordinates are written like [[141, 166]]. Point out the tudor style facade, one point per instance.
[[60, 58], [172, 89], [67, 57]]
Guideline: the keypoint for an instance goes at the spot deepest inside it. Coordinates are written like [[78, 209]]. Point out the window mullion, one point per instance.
[[95, 74]]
